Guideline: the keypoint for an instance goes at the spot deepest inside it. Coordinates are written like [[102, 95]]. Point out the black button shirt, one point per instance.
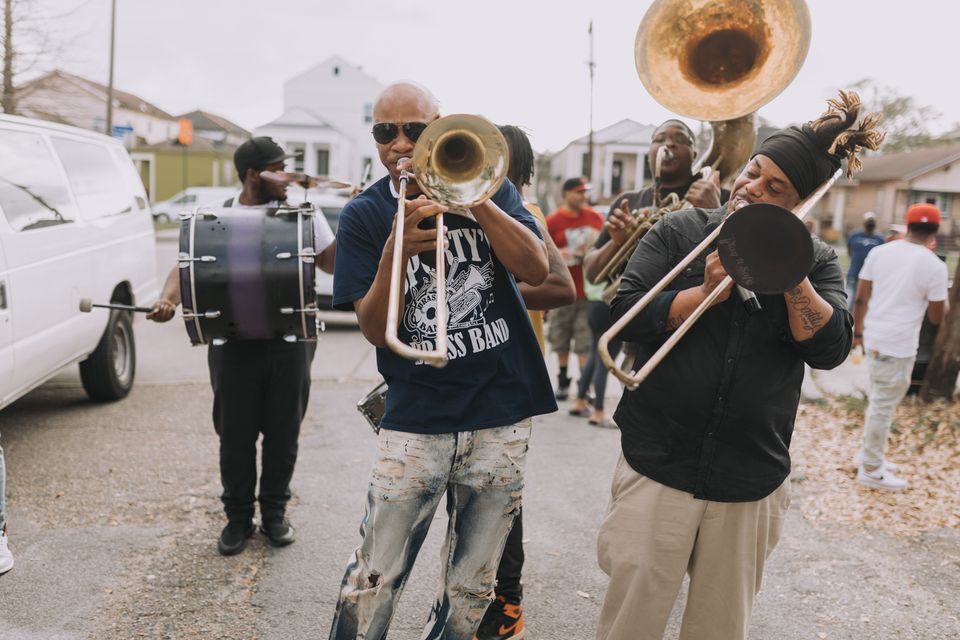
[[715, 417]]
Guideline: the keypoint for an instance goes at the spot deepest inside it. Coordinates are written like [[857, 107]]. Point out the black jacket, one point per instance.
[[715, 418]]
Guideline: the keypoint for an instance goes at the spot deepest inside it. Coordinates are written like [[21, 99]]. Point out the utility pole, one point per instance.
[[113, 30], [9, 100], [591, 64]]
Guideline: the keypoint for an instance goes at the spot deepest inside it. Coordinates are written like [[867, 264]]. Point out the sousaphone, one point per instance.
[[720, 61]]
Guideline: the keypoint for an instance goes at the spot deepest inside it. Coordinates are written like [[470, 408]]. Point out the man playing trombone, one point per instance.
[[702, 485], [462, 429]]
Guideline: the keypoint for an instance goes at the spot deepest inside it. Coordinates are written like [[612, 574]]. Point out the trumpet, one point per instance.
[[615, 265], [459, 161]]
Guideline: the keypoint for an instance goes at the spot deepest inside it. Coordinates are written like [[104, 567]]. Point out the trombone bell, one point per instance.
[[765, 248], [460, 160]]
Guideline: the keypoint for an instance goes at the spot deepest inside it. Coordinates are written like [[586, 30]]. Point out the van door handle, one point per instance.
[[3, 295]]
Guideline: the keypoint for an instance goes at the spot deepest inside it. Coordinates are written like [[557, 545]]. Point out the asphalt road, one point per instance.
[[113, 515]]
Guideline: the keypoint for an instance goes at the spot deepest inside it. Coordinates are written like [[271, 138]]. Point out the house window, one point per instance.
[[585, 165], [323, 162], [298, 148], [939, 200], [368, 113]]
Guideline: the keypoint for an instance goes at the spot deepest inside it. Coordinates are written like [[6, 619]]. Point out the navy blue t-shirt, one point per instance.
[[496, 374], [859, 245]]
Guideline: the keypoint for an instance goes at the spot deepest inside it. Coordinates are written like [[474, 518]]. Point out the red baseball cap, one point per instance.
[[923, 213]]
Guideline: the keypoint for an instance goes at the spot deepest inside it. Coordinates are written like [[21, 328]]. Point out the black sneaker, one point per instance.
[[502, 621], [563, 388], [233, 538], [279, 531]]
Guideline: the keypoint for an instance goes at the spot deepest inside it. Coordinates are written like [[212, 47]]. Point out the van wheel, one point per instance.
[[108, 373]]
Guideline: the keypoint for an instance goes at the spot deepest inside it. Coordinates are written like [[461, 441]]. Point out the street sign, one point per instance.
[[121, 131]]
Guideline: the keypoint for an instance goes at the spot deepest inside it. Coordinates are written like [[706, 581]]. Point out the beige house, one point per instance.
[[63, 97], [889, 184]]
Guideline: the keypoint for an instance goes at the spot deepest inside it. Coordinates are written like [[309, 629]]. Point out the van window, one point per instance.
[[33, 193], [133, 180], [100, 188]]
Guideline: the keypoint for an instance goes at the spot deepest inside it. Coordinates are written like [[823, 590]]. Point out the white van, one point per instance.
[[74, 224]]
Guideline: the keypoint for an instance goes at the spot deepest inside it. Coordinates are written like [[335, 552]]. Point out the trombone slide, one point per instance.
[[437, 356]]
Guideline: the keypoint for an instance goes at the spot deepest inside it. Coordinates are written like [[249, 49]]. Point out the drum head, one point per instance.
[[765, 248]]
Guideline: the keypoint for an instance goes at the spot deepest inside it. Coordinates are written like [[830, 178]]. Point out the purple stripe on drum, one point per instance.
[[247, 288]]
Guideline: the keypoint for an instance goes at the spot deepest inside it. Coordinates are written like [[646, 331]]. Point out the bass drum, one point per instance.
[[248, 274]]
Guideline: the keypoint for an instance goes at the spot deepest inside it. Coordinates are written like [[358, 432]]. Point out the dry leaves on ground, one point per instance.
[[924, 442]]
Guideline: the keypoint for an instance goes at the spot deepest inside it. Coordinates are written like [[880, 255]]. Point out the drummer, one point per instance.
[[259, 386]]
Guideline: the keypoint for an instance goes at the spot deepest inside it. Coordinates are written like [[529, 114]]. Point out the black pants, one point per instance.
[[259, 386], [511, 563]]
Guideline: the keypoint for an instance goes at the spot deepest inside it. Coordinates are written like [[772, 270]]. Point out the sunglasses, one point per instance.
[[387, 132]]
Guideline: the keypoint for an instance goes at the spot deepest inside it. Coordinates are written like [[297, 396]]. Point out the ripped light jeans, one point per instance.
[[482, 475]]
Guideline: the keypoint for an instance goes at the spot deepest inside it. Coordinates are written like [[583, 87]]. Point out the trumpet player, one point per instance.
[[461, 430], [676, 177], [702, 484]]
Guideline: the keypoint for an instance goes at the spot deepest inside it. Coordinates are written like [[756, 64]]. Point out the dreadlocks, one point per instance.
[[521, 155], [810, 154]]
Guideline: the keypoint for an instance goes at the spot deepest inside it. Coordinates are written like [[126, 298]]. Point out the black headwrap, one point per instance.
[[799, 153], [810, 154]]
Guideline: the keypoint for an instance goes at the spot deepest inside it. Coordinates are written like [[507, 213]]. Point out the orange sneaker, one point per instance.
[[502, 621]]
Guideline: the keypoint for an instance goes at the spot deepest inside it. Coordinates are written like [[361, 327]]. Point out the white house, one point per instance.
[[618, 161], [63, 97], [327, 117]]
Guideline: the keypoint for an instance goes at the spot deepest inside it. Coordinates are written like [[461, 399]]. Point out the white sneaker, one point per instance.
[[858, 461], [881, 478], [6, 558]]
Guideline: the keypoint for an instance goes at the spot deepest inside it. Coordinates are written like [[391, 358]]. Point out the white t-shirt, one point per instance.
[[905, 277], [323, 235]]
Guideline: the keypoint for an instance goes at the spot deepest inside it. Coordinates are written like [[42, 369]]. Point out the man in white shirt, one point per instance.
[[899, 282], [259, 386]]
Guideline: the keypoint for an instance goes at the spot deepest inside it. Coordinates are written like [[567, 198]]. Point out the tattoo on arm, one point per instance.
[[674, 323], [811, 318]]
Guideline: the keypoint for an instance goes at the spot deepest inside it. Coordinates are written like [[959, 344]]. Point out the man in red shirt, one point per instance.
[[574, 228]]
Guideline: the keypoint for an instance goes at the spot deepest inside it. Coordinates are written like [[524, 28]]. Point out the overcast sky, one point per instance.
[[514, 61]]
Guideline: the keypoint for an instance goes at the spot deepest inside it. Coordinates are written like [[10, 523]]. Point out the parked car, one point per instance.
[[74, 224], [329, 203], [189, 199]]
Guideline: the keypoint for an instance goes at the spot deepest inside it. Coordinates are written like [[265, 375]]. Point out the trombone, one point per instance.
[[718, 61], [459, 161], [745, 272]]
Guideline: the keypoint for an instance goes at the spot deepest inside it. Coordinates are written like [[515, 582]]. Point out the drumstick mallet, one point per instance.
[[86, 306]]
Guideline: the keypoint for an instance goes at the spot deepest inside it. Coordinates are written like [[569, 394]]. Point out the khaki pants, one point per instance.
[[653, 535]]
